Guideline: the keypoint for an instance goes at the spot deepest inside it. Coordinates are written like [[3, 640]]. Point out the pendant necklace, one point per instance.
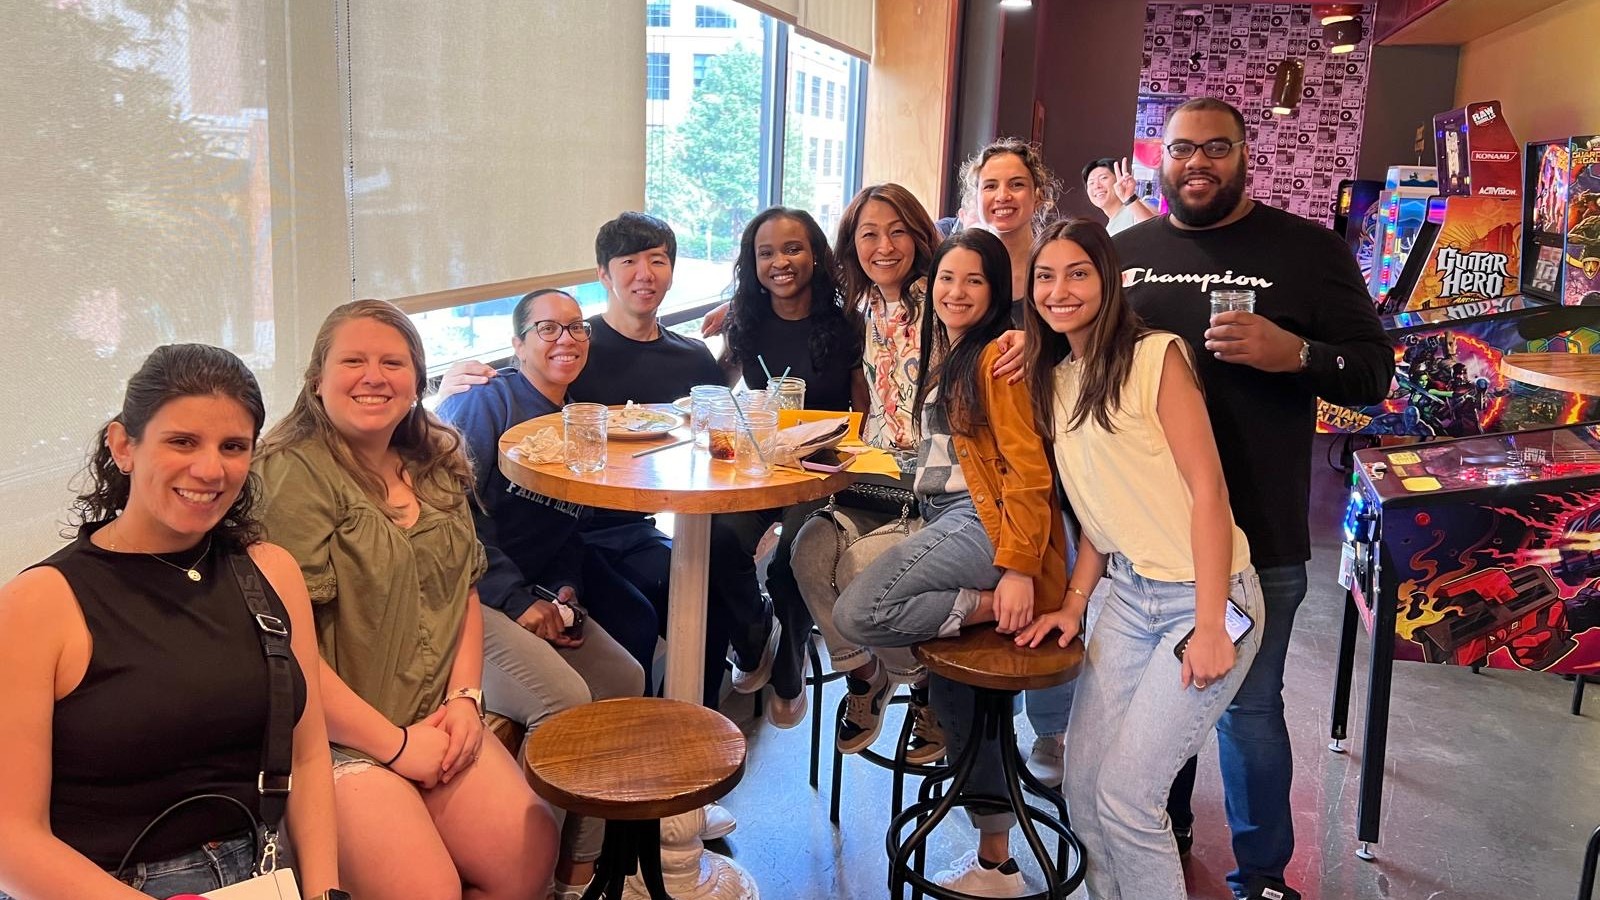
[[190, 570]]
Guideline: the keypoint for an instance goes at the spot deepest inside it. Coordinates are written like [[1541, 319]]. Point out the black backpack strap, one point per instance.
[[277, 748]]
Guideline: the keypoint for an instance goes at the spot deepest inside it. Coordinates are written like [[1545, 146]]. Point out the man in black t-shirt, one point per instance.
[[1314, 333]]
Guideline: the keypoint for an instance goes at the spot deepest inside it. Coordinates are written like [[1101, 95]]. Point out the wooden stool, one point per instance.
[[633, 762], [997, 670], [506, 731]]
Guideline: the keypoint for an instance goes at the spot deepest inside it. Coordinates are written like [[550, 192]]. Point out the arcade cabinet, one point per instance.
[[1561, 231]]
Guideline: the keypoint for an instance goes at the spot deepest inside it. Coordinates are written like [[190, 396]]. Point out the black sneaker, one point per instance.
[[927, 737], [863, 712], [1260, 888], [1185, 839]]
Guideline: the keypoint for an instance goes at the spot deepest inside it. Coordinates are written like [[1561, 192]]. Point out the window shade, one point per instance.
[[488, 141], [787, 10], [845, 24]]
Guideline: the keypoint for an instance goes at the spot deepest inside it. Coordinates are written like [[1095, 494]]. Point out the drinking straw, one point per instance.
[[766, 371], [783, 376], [748, 431]]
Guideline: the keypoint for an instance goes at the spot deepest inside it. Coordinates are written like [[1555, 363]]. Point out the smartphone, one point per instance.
[[1237, 622], [825, 460]]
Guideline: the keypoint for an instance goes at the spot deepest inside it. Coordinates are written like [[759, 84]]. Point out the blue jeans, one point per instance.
[[913, 593], [1253, 742], [1133, 725], [212, 866]]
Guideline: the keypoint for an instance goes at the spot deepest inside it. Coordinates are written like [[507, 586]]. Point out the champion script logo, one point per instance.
[[1203, 281]]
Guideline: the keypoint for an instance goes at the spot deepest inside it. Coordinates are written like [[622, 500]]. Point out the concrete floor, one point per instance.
[[1491, 789]]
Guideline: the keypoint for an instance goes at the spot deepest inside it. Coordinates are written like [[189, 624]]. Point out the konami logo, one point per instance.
[[1493, 155]]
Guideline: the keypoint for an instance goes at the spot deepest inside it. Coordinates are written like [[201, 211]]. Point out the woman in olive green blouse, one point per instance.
[[369, 491]]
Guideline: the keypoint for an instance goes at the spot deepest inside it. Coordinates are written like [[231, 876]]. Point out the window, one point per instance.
[[825, 180], [658, 14], [715, 156], [706, 16], [658, 76]]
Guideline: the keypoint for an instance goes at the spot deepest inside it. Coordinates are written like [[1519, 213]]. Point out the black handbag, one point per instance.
[[277, 755]]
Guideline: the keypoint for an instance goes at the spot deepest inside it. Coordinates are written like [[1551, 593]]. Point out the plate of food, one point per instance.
[[683, 405], [638, 423]]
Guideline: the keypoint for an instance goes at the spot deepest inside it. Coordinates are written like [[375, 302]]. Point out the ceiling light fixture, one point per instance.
[[1286, 85], [1329, 13], [1016, 4], [1342, 36]]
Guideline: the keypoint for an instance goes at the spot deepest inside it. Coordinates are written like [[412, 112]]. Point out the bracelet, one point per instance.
[[1078, 591], [405, 738]]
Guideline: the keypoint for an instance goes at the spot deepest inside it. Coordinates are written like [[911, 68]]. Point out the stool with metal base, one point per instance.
[[633, 762], [1590, 857], [896, 764], [997, 670]]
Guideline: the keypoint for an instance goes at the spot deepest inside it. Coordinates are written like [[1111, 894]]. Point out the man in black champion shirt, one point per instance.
[[1314, 334]]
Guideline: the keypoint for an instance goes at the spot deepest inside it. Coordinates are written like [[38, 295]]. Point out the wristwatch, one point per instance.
[[331, 894], [1305, 354], [473, 694]]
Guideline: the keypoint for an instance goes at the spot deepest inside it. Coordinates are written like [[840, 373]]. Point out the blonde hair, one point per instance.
[[441, 475], [1045, 183]]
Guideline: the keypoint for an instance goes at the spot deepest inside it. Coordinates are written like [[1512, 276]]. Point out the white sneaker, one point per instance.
[[969, 877], [1044, 761], [719, 823], [748, 681], [561, 891]]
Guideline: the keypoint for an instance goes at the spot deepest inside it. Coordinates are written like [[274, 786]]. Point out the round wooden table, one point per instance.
[[1576, 373], [683, 480]]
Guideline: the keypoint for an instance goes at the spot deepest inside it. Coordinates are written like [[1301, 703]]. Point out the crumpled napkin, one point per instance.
[[543, 446]]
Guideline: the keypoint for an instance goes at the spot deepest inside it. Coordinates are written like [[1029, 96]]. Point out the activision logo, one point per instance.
[[1498, 191], [1493, 155], [1479, 273]]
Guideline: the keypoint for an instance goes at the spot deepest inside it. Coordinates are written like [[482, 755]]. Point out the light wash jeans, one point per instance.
[[922, 589], [1133, 724], [528, 680], [818, 564], [212, 866]]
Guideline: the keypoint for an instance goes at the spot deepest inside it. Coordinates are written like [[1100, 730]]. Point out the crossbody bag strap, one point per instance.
[[277, 748]]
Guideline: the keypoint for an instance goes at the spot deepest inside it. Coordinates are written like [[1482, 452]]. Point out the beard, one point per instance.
[[1223, 202]]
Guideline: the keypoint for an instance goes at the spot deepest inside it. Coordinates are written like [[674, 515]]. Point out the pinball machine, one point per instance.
[[1481, 551]]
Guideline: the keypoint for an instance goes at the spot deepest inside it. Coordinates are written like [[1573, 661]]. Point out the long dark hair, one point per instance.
[[442, 477], [919, 225], [955, 369], [170, 373], [1113, 335], [834, 338]]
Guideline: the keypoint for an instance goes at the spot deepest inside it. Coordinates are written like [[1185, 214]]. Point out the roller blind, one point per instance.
[[136, 210], [787, 10], [845, 24], [489, 140]]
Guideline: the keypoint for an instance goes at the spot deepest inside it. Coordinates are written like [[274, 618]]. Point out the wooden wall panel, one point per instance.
[[909, 97]]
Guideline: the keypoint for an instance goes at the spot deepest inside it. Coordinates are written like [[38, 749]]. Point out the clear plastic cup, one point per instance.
[[1232, 301], [788, 391], [754, 439], [584, 431]]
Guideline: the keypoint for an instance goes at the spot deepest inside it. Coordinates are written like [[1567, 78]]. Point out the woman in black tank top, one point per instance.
[[134, 672]]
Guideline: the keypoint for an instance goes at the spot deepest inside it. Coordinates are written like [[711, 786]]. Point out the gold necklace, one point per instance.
[[189, 570]]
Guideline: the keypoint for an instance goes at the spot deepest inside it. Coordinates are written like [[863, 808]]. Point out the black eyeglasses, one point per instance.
[[1216, 148], [549, 330]]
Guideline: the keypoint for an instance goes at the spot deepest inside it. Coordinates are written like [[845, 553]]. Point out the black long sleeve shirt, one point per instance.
[[1306, 281]]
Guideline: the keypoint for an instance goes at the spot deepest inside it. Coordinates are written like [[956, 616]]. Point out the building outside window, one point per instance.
[[658, 76], [816, 96], [828, 111], [700, 60], [658, 14], [709, 16]]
